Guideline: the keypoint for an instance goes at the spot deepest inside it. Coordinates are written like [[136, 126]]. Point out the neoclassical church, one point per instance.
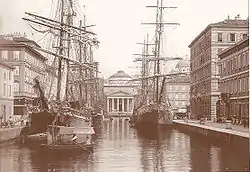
[[120, 92]]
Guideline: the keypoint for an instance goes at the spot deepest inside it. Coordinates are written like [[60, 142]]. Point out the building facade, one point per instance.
[[234, 82], [6, 91], [178, 87], [120, 92], [204, 72], [29, 63]]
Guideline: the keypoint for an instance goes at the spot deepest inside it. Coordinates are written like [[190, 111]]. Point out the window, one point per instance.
[[235, 86], [242, 60], [231, 65], [240, 85], [239, 62], [247, 84], [232, 37], [243, 85], [16, 87], [9, 90], [231, 87], [219, 37], [16, 55], [4, 55], [244, 35], [246, 55], [5, 76], [10, 75], [4, 90], [16, 71]]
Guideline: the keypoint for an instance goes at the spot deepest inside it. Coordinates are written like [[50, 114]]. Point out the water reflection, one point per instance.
[[120, 148]]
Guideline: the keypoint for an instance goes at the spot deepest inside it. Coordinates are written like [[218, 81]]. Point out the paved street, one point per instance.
[[239, 128], [220, 127]]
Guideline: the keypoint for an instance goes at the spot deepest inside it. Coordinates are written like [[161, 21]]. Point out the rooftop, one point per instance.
[[19, 42], [228, 23], [120, 74]]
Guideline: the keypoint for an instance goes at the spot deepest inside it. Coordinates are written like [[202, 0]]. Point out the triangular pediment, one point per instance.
[[119, 94]]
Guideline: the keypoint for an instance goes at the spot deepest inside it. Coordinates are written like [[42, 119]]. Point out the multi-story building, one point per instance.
[[204, 73], [177, 87], [29, 63], [6, 91], [120, 92], [234, 81]]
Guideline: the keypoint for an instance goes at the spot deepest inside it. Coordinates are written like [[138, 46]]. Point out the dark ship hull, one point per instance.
[[97, 121], [36, 132], [153, 115]]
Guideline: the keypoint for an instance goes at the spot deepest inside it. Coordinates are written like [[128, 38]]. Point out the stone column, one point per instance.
[[117, 104], [123, 105], [132, 105], [113, 104], [107, 104], [127, 105]]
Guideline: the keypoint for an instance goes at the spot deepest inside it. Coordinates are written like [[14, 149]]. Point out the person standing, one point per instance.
[[88, 141], [74, 137]]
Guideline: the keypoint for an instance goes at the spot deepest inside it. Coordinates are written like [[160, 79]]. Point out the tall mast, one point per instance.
[[144, 68], [81, 73], [156, 54], [158, 34], [60, 53], [158, 43], [69, 22], [85, 60]]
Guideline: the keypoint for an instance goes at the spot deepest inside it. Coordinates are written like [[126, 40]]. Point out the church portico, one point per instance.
[[120, 104], [120, 92]]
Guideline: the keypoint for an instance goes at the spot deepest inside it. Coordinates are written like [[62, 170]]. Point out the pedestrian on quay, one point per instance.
[[74, 137], [88, 141], [10, 122], [22, 121]]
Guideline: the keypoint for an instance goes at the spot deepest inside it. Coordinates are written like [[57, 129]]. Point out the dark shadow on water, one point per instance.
[[209, 153], [58, 162], [154, 132], [152, 142]]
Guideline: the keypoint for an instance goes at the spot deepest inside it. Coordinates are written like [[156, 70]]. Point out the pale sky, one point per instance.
[[119, 28]]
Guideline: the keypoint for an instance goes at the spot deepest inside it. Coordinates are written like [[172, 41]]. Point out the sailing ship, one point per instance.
[[154, 109], [70, 100]]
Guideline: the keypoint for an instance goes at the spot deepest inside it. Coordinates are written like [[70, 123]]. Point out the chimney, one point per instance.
[[237, 17]]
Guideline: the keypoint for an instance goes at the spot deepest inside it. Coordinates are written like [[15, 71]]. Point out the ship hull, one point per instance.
[[154, 115]]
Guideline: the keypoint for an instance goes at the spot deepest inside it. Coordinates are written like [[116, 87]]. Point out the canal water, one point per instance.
[[120, 148]]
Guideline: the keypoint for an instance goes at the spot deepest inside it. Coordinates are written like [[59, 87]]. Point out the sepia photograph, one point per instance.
[[124, 86]]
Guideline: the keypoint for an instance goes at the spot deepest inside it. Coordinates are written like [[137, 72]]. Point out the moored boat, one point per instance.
[[153, 107], [155, 114], [60, 140]]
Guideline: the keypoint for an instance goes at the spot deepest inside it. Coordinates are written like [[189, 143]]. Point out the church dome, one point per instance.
[[120, 74]]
